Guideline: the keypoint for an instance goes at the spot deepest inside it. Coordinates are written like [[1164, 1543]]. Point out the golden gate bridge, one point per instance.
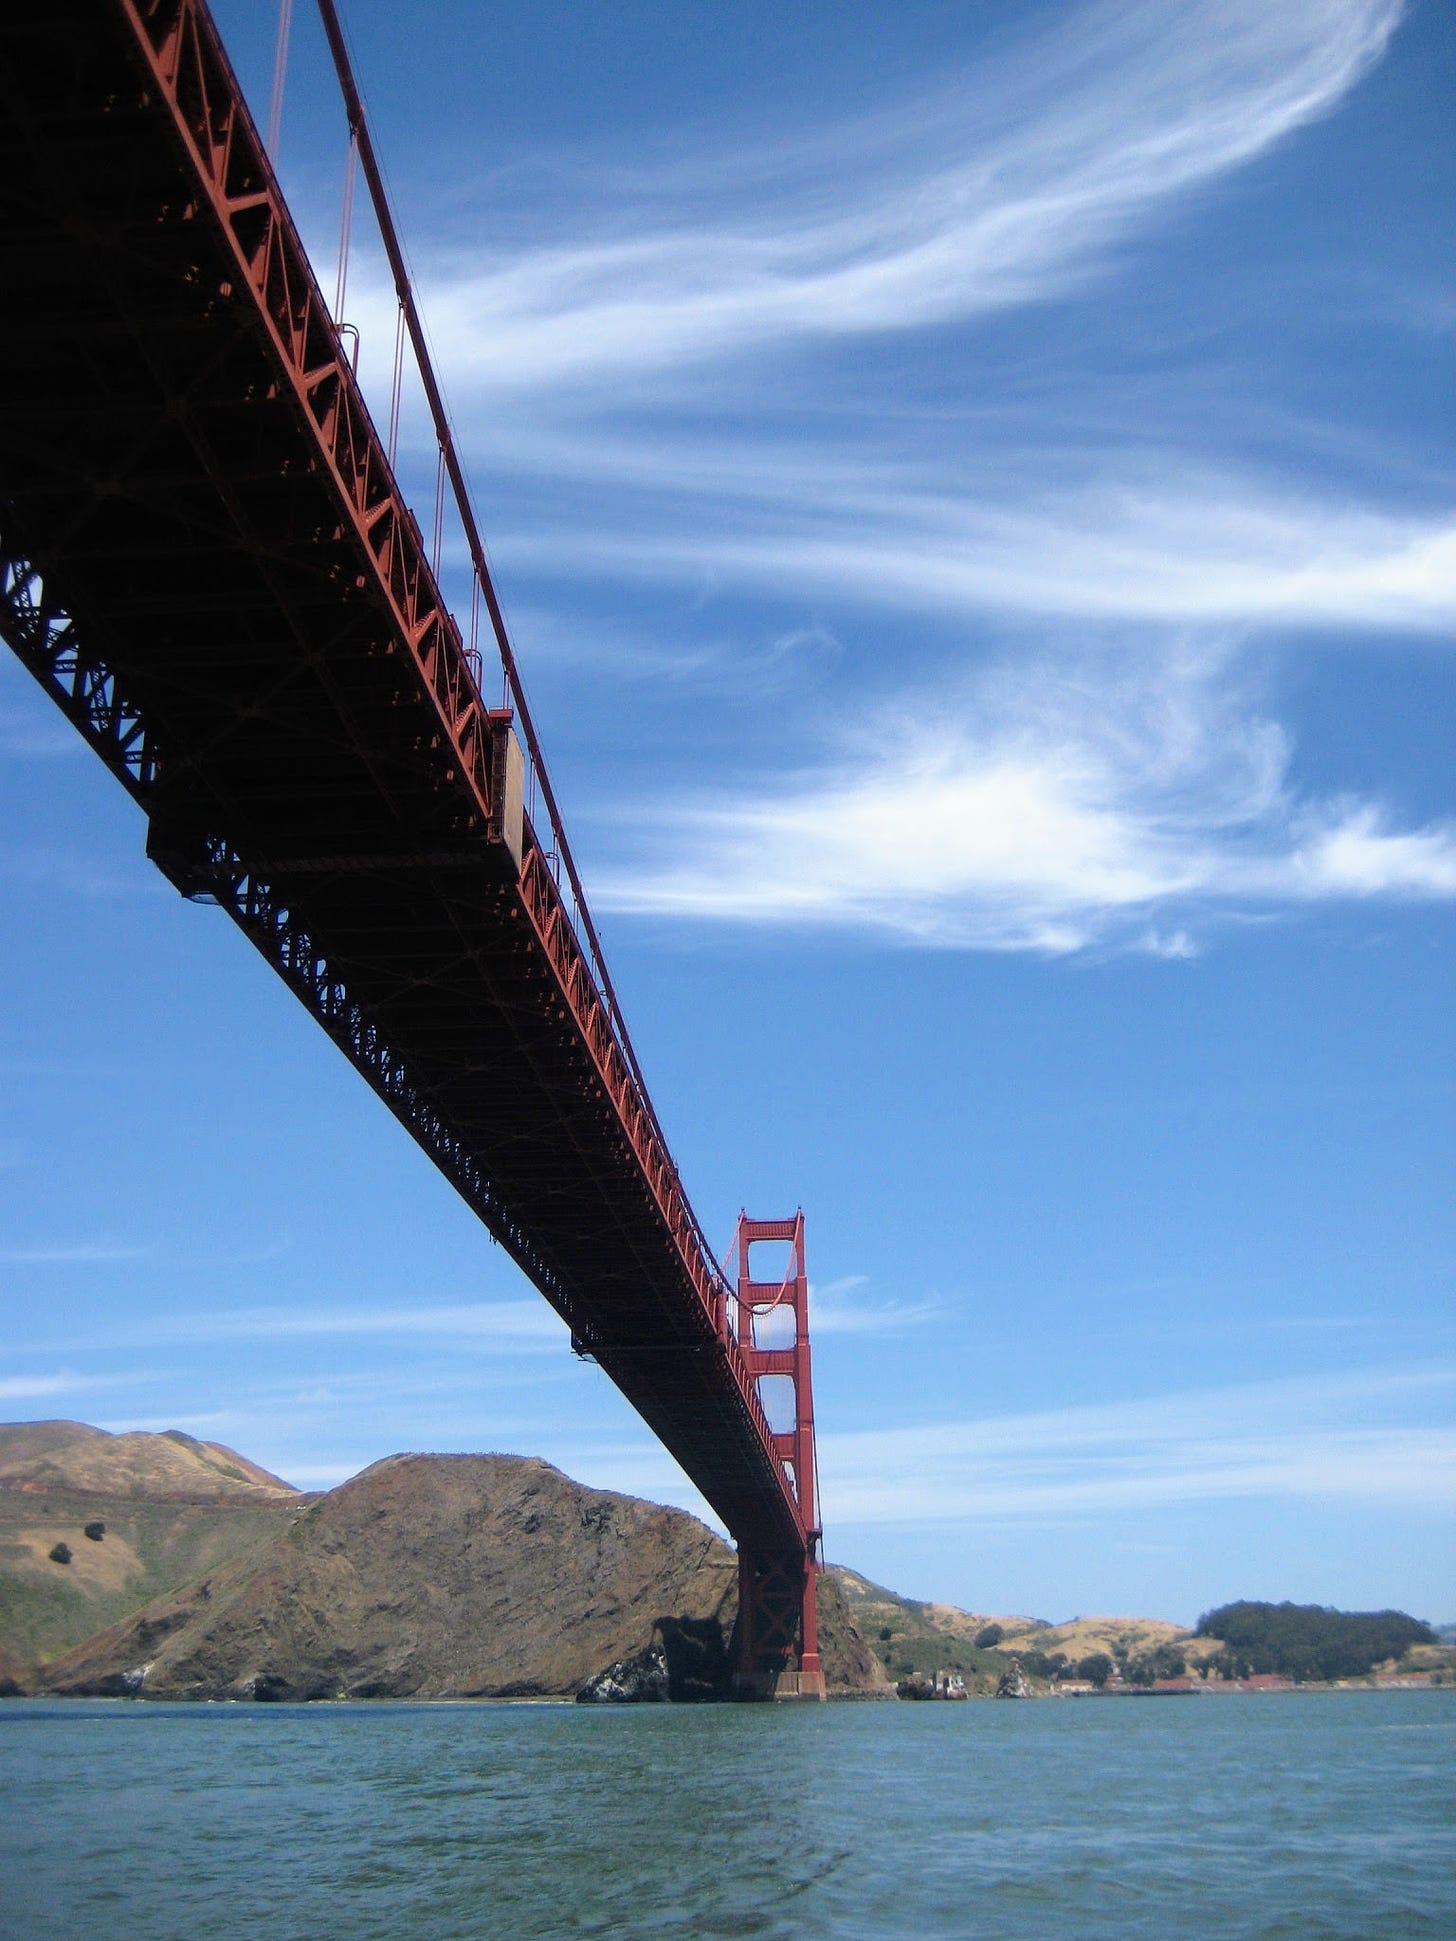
[[208, 563]]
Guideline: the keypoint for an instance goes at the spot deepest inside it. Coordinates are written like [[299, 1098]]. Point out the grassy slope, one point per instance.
[[174, 1508], [148, 1549]]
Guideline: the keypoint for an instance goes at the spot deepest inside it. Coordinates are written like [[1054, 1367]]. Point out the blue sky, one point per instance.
[[972, 493]]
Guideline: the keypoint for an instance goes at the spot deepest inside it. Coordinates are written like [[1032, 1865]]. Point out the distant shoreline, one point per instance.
[[1224, 1689]]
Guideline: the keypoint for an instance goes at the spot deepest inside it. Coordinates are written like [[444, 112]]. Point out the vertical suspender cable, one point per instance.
[[395, 386], [439, 532], [280, 69], [346, 228]]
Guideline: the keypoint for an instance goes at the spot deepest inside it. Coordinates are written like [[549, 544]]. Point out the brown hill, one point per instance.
[[161, 1509], [438, 1576], [42, 1457]]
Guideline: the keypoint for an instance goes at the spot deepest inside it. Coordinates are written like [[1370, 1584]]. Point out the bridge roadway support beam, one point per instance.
[[777, 1639]]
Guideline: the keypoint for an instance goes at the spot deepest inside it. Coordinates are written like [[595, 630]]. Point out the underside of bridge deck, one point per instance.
[[208, 564]]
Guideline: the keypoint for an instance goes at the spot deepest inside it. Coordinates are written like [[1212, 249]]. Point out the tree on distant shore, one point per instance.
[[1308, 1641], [1096, 1669], [1163, 1661], [1037, 1664]]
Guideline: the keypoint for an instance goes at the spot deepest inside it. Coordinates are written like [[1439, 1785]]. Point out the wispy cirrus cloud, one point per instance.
[[1052, 808], [716, 663], [845, 1306], [516, 1324], [1380, 1436], [1152, 540], [71, 1253], [1003, 186], [64, 1381], [1120, 808]]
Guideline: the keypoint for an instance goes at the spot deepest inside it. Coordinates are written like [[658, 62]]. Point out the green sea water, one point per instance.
[[1302, 1815]]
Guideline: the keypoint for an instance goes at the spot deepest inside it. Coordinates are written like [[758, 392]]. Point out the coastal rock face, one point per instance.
[[849, 1664], [1014, 1682], [690, 1664], [641, 1680], [445, 1576]]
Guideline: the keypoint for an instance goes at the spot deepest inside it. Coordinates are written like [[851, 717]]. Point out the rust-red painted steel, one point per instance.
[[207, 561]]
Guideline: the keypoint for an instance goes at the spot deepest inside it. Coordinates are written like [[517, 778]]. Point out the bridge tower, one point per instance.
[[778, 1628]]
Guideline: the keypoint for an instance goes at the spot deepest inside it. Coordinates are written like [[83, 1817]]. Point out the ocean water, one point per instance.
[[1290, 1815]]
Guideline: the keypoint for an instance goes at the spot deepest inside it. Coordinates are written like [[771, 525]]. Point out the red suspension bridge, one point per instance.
[[207, 562]]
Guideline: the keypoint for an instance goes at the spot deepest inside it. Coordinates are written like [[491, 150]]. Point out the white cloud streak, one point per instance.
[[1004, 187], [1331, 1438], [523, 1325], [1094, 812], [78, 1253], [1156, 541], [29, 1388], [1007, 185], [840, 1307], [1077, 808]]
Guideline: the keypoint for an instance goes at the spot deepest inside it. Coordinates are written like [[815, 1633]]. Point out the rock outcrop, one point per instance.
[[1014, 1682], [639, 1680], [689, 1663]]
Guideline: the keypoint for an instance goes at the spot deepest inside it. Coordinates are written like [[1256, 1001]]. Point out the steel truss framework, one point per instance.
[[206, 561]]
